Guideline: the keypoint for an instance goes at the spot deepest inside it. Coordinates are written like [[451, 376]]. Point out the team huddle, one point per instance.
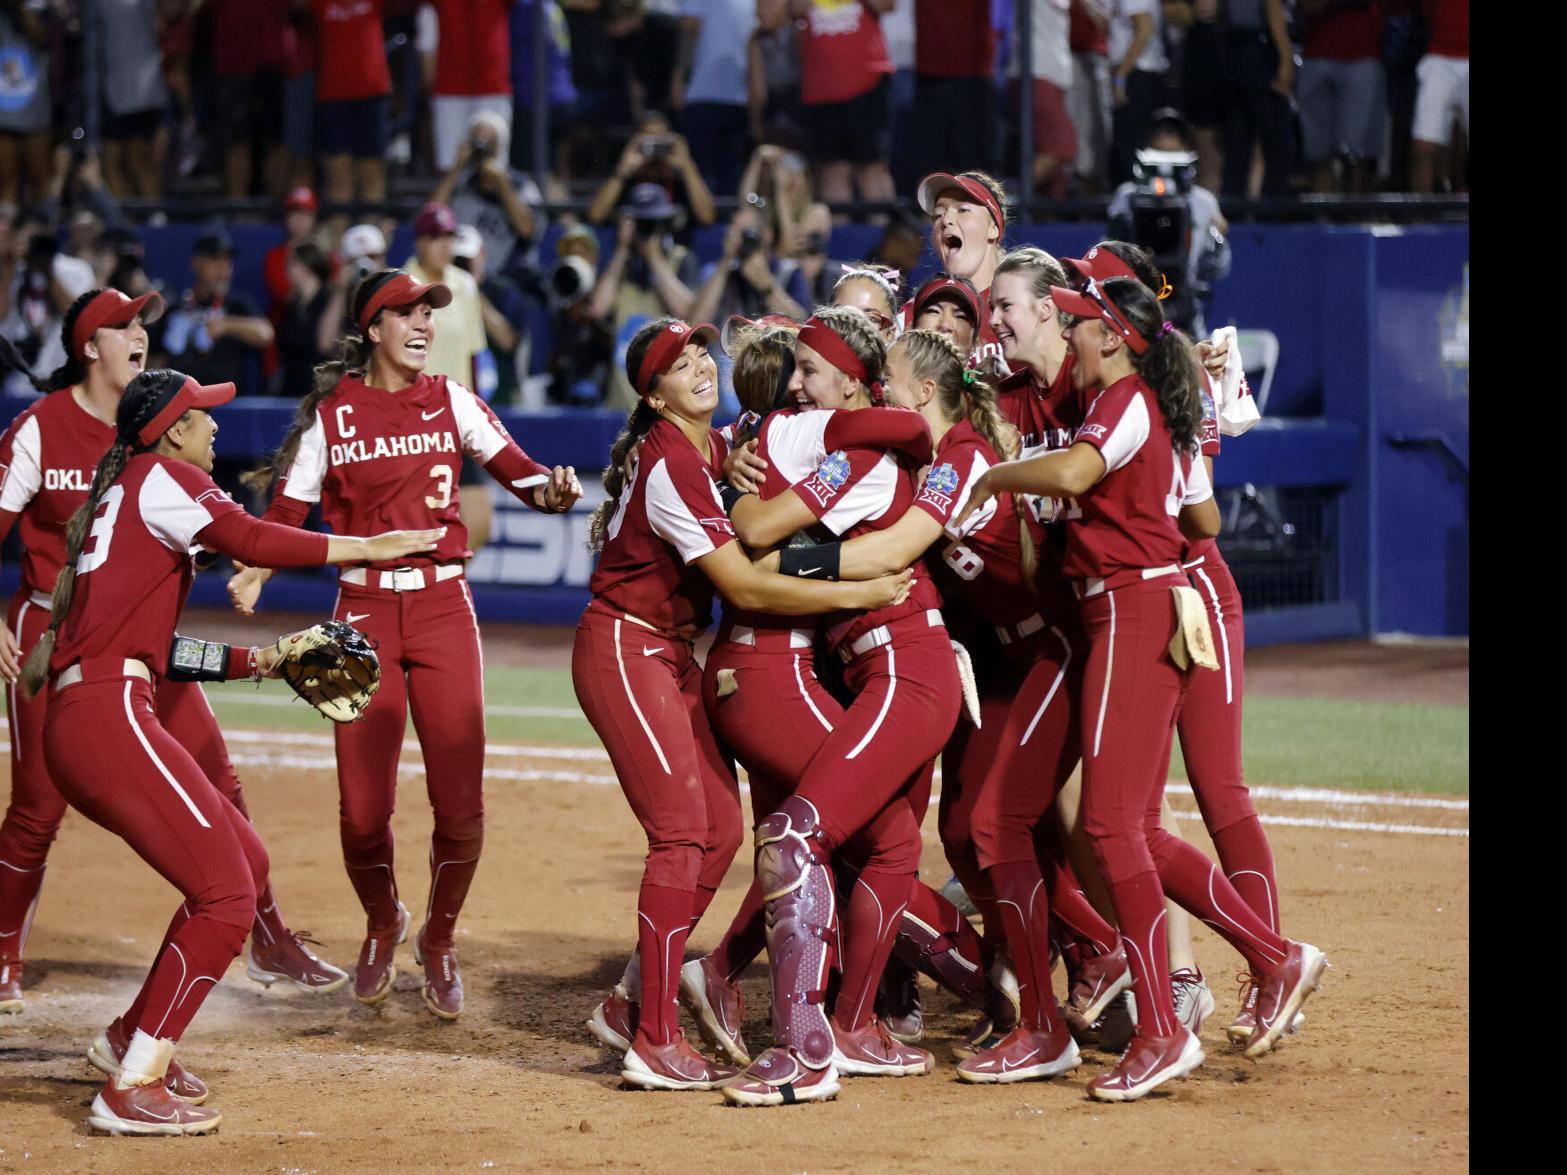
[[975, 528]]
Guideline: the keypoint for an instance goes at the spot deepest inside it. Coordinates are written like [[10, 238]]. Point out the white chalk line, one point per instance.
[[241, 699]]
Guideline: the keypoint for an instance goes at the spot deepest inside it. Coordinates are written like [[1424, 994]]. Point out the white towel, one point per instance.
[[1237, 410]]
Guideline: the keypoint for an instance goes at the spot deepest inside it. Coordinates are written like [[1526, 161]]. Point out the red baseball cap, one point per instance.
[[1098, 263], [666, 347], [933, 187], [114, 309], [188, 395], [728, 340], [945, 286], [300, 200], [435, 220], [1093, 302], [398, 291]]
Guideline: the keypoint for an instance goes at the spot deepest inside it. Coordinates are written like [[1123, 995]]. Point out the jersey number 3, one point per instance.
[[443, 488], [96, 547]]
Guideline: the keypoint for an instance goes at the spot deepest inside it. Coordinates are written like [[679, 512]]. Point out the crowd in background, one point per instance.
[[793, 108]]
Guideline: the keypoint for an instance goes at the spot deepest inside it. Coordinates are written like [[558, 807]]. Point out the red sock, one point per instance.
[[374, 883], [1074, 911], [663, 923], [133, 1014], [18, 897], [452, 866], [1198, 884], [269, 926], [746, 937], [875, 908], [1025, 912], [1139, 908], [1248, 862]]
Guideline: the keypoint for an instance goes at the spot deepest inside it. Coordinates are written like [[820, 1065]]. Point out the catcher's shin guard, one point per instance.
[[952, 959], [801, 917]]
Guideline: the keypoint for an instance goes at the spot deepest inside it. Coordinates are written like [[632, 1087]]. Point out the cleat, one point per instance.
[[375, 971], [717, 1007], [1282, 993], [614, 1022], [871, 1052], [10, 986], [898, 1002], [291, 960], [1149, 1062], [1193, 1000], [779, 1078], [1100, 979], [978, 1038], [148, 1109], [672, 1066], [442, 989], [1023, 1055]]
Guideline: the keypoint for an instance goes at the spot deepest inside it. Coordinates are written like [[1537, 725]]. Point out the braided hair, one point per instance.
[[70, 373], [144, 395]]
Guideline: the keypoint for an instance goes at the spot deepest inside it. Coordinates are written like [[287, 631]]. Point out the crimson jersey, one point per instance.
[[982, 564], [1127, 521], [135, 567], [856, 491], [379, 460], [47, 460], [1045, 417], [669, 516]]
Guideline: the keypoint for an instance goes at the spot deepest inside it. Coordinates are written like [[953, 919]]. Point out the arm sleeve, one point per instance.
[[287, 511], [258, 543], [887, 428], [684, 509], [1117, 425]]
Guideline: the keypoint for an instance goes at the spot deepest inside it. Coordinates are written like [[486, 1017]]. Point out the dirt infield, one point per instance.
[[1378, 1081]]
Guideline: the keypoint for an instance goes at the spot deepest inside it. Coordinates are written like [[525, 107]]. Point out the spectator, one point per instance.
[[1201, 256], [954, 84], [646, 44], [485, 192], [25, 102], [1443, 96], [801, 223], [124, 261], [902, 242], [1259, 100], [897, 32], [747, 278], [177, 42], [214, 333], [73, 265], [33, 299], [1202, 85], [299, 98], [247, 96], [129, 69], [647, 275], [774, 58], [299, 226], [505, 316], [1055, 140], [309, 270], [846, 97], [459, 327], [351, 99], [656, 155], [583, 345], [1088, 101], [1137, 82], [1342, 101], [560, 91], [717, 115], [361, 252], [465, 49]]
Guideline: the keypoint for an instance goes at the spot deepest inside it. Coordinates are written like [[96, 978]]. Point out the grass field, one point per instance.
[[1290, 742]]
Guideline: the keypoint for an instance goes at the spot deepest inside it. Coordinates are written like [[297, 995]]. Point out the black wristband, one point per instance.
[[194, 660], [811, 562], [729, 495]]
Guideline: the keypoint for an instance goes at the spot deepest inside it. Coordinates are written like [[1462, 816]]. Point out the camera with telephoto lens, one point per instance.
[[1160, 207], [363, 267], [571, 280]]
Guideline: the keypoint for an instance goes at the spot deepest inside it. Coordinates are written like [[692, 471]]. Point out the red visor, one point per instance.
[[938, 288], [934, 187], [822, 339], [188, 395], [1093, 302], [401, 291], [665, 349], [1098, 263], [113, 309]]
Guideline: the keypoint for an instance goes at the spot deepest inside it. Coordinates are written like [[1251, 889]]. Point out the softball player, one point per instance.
[[1130, 471], [106, 651], [379, 442], [968, 217], [874, 290], [47, 456], [665, 545]]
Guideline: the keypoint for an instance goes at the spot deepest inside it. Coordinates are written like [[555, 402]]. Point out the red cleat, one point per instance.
[[675, 1066], [442, 979], [871, 1052], [106, 1052], [1100, 979], [1282, 993], [1023, 1055], [1149, 1062], [375, 971], [290, 959], [10, 985], [717, 1007], [779, 1078]]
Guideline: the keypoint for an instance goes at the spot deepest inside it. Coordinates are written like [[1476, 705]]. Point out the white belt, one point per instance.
[[1096, 587], [882, 634], [1197, 562], [402, 579], [1007, 633], [799, 638], [42, 600], [73, 675]]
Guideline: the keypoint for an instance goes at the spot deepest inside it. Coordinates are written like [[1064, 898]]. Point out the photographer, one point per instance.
[[748, 279], [583, 345], [1179, 222], [361, 252], [302, 317], [648, 275], [33, 299], [484, 191], [656, 155], [503, 312]]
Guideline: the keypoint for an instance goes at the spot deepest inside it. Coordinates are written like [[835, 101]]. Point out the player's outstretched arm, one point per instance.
[[746, 586]]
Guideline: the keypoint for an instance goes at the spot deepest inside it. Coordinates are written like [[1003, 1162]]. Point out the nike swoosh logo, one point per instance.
[[646, 652], [354, 617], [1007, 1065], [809, 571], [431, 415], [169, 1117]]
